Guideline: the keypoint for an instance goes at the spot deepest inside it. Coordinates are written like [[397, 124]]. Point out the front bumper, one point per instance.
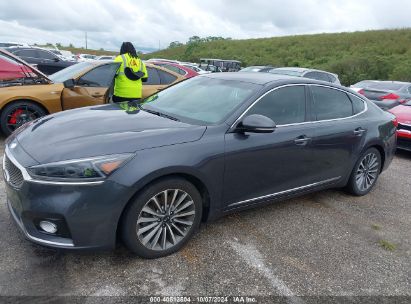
[[87, 215]]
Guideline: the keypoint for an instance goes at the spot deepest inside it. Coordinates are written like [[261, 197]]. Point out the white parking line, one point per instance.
[[253, 258]]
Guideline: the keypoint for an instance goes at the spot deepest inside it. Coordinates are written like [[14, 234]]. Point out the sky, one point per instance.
[[156, 23]]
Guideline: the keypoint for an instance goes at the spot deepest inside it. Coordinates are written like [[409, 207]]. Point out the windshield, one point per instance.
[[201, 100], [286, 72], [70, 72]]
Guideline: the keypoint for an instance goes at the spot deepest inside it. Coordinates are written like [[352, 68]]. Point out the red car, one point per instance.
[[180, 69], [403, 114], [11, 69]]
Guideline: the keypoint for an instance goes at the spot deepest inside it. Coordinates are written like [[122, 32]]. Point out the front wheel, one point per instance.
[[365, 174], [162, 218], [17, 114]]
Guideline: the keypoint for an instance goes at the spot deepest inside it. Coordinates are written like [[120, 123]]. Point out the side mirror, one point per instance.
[[69, 83], [256, 123]]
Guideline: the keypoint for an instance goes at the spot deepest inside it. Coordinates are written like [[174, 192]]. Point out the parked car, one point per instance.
[[403, 114], [205, 147], [210, 68], [10, 70], [195, 68], [223, 64], [177, 68], [45, 61], [80, 85], [104, 57], [85, 57], [11, 44], [258, 68], [385, 94], [307, 73]]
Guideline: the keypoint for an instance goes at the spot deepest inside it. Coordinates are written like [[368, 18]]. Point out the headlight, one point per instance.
[[79, 170]]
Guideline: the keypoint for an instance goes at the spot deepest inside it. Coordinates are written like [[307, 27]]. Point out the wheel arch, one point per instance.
[[380, 149], [192, 178], [22, 99]]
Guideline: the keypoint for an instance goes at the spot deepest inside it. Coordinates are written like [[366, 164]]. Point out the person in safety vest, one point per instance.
[[131, 74]]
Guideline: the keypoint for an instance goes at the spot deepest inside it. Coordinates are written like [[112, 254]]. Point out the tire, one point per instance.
[[143, 232], [365, 173], [23, 111]]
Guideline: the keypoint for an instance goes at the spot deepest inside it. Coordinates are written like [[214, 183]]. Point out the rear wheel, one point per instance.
[[162, 218], [18, 113], [365, 174]]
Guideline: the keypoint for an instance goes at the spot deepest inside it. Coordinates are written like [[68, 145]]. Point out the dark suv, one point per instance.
[[46, 61]]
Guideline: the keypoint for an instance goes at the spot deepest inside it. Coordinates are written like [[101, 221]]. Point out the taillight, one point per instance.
[[362, 92], [390, 96], [395, 122]]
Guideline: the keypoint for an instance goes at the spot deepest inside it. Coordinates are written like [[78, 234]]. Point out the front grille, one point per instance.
[[404, 127], [13, 174]]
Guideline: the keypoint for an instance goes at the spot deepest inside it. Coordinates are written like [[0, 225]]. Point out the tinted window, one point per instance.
[[283, 106], [357, 104], [330, 103], [153, 77], [385, 86], [26, 53], [45, 55], [101, 76], [166, 78]]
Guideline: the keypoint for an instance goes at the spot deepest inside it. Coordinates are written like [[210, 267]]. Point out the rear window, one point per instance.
[[385, 86]]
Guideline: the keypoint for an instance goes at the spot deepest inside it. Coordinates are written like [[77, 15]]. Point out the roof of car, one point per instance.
[[257, 78]]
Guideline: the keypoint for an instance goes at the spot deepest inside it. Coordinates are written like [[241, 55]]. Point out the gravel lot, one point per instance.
[[326, 243]]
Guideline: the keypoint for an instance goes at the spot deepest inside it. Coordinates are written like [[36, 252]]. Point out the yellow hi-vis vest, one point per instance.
[[124, 87]]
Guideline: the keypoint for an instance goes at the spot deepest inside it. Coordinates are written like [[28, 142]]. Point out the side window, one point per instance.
[[182, 72], [153, 77], [45, 55], [172, 68], [101, 76], [283, 106], [166, 78], [357, 104], [330, 103]]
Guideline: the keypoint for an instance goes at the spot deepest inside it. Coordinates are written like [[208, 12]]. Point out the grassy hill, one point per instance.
[[383, 54]]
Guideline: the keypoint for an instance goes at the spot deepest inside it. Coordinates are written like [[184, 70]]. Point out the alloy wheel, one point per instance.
[[367, 172], [20, 115], [165, 219]]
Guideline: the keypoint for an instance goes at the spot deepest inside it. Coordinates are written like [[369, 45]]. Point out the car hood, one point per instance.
[[20, 61], [403, 114], [101, 130]]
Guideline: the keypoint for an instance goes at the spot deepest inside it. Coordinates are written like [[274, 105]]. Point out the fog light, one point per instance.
[[48, 227]]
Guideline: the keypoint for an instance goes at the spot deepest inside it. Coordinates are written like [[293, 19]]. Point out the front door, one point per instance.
[[91, 88], [260, 165]]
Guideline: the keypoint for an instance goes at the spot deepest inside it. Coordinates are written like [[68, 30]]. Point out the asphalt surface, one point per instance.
[[327, 243]]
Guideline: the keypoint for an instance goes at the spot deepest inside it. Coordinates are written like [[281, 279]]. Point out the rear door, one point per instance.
[[339, 130], [91, 88]]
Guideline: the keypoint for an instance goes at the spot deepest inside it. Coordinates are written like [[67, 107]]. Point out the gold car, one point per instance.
[[83, 84]]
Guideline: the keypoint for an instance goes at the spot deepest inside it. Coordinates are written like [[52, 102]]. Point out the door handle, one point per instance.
[[302, 140], [97, 95], [359, 131]]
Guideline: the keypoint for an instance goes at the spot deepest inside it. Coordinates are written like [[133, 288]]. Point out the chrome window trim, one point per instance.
[[28, 178], [305, 122], [285, 191]]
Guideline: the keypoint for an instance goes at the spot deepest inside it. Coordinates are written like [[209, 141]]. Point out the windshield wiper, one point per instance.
[[159, 114]]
